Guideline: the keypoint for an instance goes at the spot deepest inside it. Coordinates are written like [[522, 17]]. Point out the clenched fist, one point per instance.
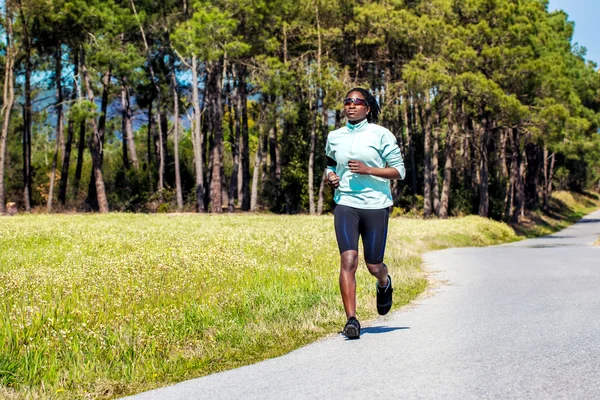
[[333, 180], [358, 167]]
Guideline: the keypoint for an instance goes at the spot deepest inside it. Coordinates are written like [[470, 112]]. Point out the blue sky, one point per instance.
[[585, 14]]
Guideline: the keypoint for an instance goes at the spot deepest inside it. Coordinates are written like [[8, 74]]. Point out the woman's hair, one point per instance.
[[373, 114]]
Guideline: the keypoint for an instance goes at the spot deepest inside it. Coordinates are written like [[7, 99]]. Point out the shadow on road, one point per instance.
[[550, 246], [555, 237], [381, 329]]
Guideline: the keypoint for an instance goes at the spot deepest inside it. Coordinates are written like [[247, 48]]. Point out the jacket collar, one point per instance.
[[360, 127]]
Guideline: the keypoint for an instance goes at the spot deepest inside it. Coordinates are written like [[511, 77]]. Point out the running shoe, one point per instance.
[[352, 328], [384, 297]]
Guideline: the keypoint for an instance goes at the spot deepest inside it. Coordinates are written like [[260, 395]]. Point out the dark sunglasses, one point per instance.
[[357, 101]]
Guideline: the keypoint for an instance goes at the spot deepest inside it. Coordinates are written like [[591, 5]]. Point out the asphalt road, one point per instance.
[[518, 321]]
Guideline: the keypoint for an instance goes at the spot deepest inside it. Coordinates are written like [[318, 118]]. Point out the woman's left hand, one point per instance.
[[358, 167]]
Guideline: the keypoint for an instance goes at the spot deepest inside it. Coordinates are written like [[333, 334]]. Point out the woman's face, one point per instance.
[[355, 112]]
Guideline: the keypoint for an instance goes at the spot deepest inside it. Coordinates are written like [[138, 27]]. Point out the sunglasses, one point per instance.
[[356, 100]]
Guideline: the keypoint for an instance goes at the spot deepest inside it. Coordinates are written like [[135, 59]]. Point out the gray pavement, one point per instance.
[[517, 321]]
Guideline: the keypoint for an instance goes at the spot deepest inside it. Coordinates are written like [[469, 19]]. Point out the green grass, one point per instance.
[[100, 306]]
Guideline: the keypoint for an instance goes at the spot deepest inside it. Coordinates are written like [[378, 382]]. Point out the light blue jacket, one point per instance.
[[375, 146]]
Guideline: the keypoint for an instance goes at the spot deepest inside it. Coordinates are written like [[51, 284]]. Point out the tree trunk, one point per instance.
[[150, 148], [150, 136], [427, 206], [533, 188], [240, 176], [311, 157], [208, 149], [216, 113], [516, 182], [274, 169], [27, 122], [325, 129], [234, 140], [322, 192], [484, 196], [255, 174], [62, 191], [82, 133], [96, 144], [314, 113], [502, 154], [509, 207], [80, 151], [125, 139], [129, 150], [411, 148], [550, 176], [244, 148], [448, 156], [161, 168], [223, 179], [338, 119], [435, 187], [474, 167], [198, 138], [521, 182], [92, 199], [265, 156], [465, 166], [59, 125], [161, 146], [178, 190], [9, 98], [504, 171], [545, 185]]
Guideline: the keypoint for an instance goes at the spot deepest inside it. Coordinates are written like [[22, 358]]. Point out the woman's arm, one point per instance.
[[358, 167]]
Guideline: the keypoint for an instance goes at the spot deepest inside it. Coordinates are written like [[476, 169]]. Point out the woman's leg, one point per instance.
[[374, 226], [349, 264], [374, 234], [379, 271], [346, 222]]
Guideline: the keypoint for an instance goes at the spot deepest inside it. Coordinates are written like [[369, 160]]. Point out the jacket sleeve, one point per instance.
[[391, 153]]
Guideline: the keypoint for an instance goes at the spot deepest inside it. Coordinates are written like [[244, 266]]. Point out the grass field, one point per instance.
[[99, 306]]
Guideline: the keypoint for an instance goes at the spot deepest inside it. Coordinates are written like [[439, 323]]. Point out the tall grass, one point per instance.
[[97, 306]]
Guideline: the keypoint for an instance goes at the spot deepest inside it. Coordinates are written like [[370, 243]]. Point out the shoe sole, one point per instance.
[[352, 332], [384, 310]]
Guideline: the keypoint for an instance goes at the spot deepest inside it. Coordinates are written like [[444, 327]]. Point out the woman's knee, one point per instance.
[[349, 260], [375, 269]]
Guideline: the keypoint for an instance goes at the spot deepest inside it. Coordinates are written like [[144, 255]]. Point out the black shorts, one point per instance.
[[371, 225]]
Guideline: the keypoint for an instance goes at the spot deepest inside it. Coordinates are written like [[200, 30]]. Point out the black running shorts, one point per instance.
[[371, 225]]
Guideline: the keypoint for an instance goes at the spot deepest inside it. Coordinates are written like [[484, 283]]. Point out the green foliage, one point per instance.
[[208, 34], [562, 178], [492, 66]]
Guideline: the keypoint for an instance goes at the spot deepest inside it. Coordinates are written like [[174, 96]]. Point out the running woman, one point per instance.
[[362, 158]]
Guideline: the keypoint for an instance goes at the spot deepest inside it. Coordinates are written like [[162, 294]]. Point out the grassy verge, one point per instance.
[[99, 306], [565, 208]]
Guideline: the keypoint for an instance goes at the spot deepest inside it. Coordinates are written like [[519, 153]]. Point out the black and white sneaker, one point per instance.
[[384, 297], [352, 328]]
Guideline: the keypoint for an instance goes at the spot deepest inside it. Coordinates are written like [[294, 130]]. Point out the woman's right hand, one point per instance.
[[333, 180]]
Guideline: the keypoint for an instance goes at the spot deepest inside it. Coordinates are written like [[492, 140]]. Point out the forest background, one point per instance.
[[224, 106]]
